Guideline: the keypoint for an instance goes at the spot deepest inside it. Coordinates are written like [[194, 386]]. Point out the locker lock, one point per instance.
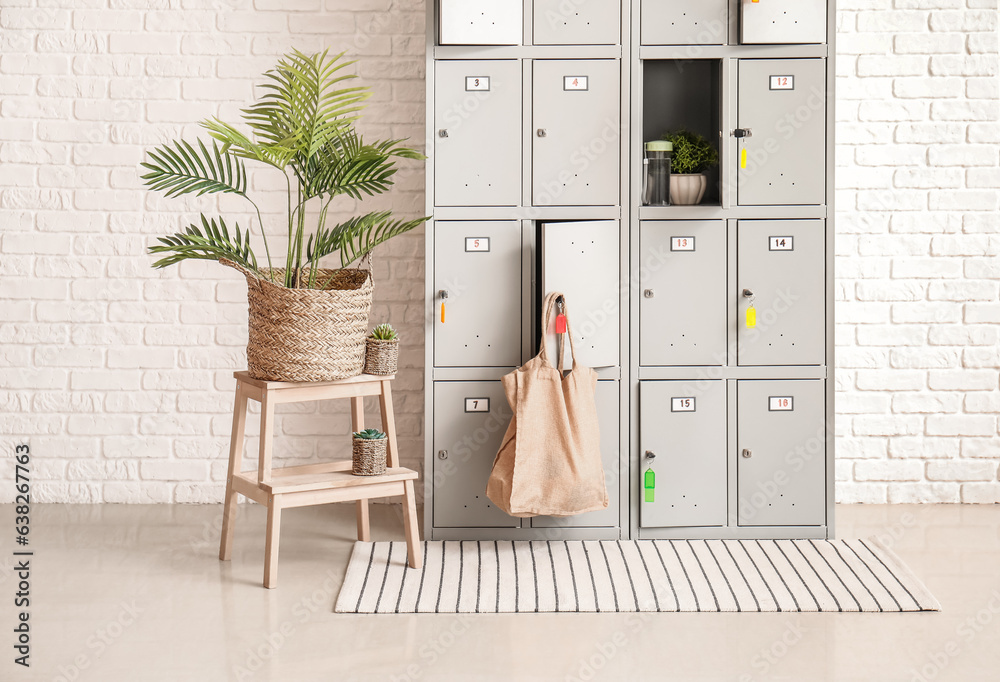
[[442, 454], [650, 454], [442, 133], [747, 293], [542, 132], [648, 293], [742, 132], [747, 453]]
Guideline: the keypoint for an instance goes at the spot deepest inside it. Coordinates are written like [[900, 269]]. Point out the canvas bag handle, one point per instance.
[[550, 303]]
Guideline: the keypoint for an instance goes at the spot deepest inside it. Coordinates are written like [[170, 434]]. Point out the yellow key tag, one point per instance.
[[743, 158], [751, 317]]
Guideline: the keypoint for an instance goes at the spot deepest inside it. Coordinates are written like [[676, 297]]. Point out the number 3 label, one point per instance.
[[477, 83]]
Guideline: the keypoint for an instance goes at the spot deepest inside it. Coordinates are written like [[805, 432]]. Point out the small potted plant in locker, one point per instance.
[[382, 351], [693, 155], [368, 453]]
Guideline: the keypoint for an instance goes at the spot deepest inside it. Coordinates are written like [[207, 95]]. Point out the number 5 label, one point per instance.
[[477, 243]]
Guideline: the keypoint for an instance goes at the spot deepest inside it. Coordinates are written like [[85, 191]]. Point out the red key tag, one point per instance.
[[560, 324]]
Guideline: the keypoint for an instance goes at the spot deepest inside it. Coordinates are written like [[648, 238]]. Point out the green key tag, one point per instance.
[[649, 483]]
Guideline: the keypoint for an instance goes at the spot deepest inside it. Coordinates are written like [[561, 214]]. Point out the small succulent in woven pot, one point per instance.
[[369, 452], [382, 350], [308, 315]]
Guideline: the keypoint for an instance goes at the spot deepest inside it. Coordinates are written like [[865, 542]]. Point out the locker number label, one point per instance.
[[781, 244], [575, 83], [477, 83], [781, 403], [477, 243], [782, 82], [682, 243], [477, 404], [682, 405]]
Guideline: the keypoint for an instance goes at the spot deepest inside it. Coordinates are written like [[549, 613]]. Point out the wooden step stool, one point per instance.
[[312, 484]]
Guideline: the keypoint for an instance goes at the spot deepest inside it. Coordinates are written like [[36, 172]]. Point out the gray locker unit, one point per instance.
[[683, 440], [608, 417], [477, 277], [682, 309], [576, 22], [667, 22], [782, 103], [575, 114], [777, 264], [477, 109], [472, 417], [580, 259], [535, 183], [480, 22], [782, 436], [782, 21]]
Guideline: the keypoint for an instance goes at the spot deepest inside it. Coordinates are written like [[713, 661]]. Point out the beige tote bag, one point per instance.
[[550, 461]]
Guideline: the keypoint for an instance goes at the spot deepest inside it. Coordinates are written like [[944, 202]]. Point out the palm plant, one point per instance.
[[303, 126]]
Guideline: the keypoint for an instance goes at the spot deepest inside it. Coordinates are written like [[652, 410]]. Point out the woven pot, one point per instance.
[[307, 334], [368, 457], [381, 356]]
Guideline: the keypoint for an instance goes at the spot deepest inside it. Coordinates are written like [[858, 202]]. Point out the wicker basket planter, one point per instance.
[[381, 357], [308, 334], [369, 456]]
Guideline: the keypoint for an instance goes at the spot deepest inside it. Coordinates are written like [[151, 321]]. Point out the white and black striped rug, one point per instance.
[[645, 575]]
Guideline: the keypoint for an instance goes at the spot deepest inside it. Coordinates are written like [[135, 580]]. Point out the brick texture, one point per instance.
[[120, 376], [918, 121]]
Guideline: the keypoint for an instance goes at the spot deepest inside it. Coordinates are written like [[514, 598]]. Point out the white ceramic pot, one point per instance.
[[687, 189]]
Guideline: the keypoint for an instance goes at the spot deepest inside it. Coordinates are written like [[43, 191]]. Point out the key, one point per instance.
[[751, 317], [560, 324], [649, 483]]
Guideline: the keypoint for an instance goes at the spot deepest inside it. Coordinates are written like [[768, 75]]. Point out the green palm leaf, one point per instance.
[[181, 169], [210, 242], [358, 236], [349, 166]]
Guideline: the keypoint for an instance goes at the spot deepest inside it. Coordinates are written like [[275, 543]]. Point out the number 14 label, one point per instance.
[[781, 244]]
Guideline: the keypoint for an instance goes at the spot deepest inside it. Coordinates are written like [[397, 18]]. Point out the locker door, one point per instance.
[[481, 22], [781, 458], [477, 277], [782, 262], [565, 22], [671, 22], [608, 420], [477, 143], [682, 309], [684, 425], [577, 138], [783, 104], [470, 418], [581, 261], [782, 21]]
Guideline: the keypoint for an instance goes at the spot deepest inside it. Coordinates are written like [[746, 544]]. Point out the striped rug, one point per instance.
[[625, 576]]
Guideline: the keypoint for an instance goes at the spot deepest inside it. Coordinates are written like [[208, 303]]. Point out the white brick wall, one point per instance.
[[120, 376], [919, 238]]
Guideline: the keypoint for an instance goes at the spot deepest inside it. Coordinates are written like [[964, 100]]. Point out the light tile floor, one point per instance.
[[137, 594]]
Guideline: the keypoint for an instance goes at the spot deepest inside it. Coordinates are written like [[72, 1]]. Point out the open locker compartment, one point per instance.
[[684, 94]]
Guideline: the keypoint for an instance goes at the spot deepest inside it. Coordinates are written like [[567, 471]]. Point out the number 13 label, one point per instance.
[[682, 243]]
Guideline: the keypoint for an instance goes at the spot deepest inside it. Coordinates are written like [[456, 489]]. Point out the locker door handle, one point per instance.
[[747, 453], [442, 133], [542, 132]]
